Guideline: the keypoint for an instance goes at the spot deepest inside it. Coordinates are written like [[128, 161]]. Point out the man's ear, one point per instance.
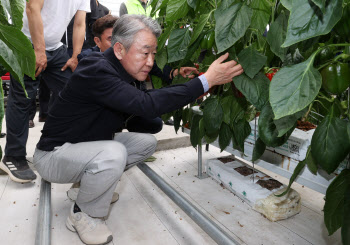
[[97, 41], [119, 50]]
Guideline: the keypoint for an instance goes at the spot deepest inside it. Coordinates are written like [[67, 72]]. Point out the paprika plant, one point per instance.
[[300, 38]]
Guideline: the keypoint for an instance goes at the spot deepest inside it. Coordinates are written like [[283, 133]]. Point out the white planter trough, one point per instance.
[[282, 160], [258, 193]]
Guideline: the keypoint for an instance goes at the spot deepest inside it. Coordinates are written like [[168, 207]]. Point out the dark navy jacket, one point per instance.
[[100, 93]]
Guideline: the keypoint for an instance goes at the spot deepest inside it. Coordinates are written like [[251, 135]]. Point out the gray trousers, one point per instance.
[[97, 165], [19, 107]]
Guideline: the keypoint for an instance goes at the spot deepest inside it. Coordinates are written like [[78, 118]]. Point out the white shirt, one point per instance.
[[56, 15]]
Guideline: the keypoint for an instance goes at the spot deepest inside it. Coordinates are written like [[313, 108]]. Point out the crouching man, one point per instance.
[[78, 142]]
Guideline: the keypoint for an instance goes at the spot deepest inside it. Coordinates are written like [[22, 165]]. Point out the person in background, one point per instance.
[[135, 7], [97, 11], [44, 23], [80, 140]]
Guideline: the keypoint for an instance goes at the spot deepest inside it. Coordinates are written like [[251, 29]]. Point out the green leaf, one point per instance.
[[251, 60], [224, 136], [294, 88], [195, 135], [277, 34], [21, 46], [261, 14], [177, 46], [345, 230], [211, 138], [3, 15], [267, 129], [185, 115], [177, 119], [191, 50], [241, 131], [162, 58], [287, 4], [157, 82], [150, 159], [6, 5], [231, 24], [311, 164], [226, 104], [226, 4], [295, 174], [334, 205], [256, 90], [158, 5], [192, 3], [10, 62], [176, 9], [321, 4], [201, 128], [212, 116], [329, 146], [164, 37], [237, 111], [307, 20], [284, 124], [259, 149], [203, 19], [17, 9]]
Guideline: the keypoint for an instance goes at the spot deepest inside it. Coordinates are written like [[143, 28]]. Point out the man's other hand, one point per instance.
[[188, 72], [221, 73], [40, 62], [71, 63]]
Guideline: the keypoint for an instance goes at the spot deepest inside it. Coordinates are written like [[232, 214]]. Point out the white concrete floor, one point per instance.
[[145, 215]]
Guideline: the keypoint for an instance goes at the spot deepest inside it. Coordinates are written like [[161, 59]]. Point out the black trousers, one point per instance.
[[44, 98], [19, 107]]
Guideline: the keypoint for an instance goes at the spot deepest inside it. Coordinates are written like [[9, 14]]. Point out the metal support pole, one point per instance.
[[212, 229], [43, 225], [200, 175]]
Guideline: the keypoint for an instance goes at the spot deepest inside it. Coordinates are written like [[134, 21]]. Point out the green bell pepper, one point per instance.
[[336, 77], [324, 55], [208, 40], [211, 40]]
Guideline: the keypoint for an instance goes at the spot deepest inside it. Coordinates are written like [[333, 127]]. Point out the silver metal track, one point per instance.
[[43, 225], [212, 229]]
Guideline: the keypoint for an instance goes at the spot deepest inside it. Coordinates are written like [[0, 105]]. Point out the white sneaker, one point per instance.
[[91, 231], [72, 193]]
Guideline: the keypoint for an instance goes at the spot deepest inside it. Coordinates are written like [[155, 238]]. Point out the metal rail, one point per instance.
[[200, 175], [43, 225], [212, 229], [43, 228]]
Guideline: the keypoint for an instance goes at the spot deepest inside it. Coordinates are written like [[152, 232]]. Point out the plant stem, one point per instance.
[[273, 12], [211, 3], [307, 113]]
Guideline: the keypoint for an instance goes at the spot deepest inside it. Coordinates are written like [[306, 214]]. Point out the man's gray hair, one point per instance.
[[128, 25]]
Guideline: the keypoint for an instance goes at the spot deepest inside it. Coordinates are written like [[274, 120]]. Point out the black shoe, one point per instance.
[[169, 122], [17, 168], [31, 124]]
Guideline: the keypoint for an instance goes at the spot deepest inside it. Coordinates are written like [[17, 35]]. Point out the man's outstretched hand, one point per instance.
[[221, 72]]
